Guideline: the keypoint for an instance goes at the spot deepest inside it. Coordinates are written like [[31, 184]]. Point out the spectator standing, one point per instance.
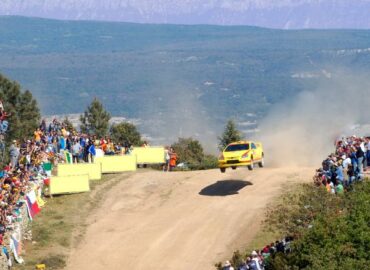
[[339, 173], [76, 151], [62, 144], [166, 166], [14, 154], [109, 148], [91, 151], [43, 126], [38, 133], [360, 159], [367, 147], [68, 144], [173, 158], [4, 124]]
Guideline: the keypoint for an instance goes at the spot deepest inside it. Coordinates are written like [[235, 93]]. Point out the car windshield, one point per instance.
[[237, 147]]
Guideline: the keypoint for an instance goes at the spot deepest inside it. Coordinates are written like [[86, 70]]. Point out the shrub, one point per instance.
[[190, 151], [339, 233]]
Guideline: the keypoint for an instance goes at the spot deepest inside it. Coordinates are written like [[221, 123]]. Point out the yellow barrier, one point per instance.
[[115, 164], [92, 169], [149, 155], [69, 184]]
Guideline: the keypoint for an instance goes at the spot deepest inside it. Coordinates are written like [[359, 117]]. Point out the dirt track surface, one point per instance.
[[179, 220]]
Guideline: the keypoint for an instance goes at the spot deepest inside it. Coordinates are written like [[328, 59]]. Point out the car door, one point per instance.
[[256, 152]]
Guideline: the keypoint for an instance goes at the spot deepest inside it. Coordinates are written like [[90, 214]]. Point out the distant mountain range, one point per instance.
[[173, 79], [286, 14]]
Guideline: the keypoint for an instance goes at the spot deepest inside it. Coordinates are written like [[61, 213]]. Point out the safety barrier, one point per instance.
[[116, 164], [94, 170], [69, 184], [149, 155]]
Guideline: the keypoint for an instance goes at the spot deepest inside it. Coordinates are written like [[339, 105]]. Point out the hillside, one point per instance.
[[187, 79]]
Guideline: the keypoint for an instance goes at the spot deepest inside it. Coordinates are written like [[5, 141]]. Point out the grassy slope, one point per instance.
[[62, 223]]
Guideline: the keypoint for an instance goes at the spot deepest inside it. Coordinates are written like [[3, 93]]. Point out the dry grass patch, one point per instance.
[[62, 224]]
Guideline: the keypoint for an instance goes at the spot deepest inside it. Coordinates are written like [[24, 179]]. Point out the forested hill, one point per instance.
[[155, 72]]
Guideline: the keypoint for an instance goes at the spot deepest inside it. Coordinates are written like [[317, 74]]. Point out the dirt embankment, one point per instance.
[[182, 220]]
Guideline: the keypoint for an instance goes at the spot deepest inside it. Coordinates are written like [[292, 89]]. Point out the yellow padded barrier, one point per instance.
[[149, 155], [69, 184], [92, 169], [116, 164]]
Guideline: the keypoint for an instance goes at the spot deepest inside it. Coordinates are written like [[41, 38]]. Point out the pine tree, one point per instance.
[[125, 133], [29, 115], [95, 120], [22, 107], [230, 134]]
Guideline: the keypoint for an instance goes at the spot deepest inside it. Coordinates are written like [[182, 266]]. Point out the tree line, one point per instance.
[[24, 118]]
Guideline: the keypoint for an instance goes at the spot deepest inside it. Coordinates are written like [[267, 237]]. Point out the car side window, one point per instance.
[[254, 146]]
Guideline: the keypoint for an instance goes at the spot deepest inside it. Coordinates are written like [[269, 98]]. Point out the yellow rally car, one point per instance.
[[242, 153]]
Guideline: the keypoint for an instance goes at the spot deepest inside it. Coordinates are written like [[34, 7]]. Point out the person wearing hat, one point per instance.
[[254, 263], [228, 266]]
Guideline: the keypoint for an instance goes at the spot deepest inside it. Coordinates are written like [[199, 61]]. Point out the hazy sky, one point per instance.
[[267, 13]]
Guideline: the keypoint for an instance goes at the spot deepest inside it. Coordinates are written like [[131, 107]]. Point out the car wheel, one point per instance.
[[261, 164], [251, 166], [233, 167], [222, 170]]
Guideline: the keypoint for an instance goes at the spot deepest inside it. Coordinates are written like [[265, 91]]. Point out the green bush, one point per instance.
[[337, 235], [190, 151]]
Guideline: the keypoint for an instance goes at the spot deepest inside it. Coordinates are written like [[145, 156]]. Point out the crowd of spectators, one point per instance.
[[347, 165], [26, 171], [259, 259], [50, 144], [57, 139]]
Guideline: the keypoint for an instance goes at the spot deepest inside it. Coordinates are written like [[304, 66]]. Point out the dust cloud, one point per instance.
[[178, 113], [301, 131]]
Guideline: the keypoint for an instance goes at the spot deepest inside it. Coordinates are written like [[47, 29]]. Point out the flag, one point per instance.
[[16, 248], [68, 157], [32, 205]]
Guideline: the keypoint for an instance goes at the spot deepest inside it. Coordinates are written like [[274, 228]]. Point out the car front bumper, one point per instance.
[[233, 163]]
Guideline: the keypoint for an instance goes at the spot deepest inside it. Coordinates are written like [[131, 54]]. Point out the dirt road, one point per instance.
[[180, 220]]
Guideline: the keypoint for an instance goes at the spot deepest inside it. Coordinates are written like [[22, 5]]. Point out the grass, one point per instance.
[[62, 224]]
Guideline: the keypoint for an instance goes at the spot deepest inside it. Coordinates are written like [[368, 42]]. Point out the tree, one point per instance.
[[125, 132], [230, 134], [95, 120], [190, 151], [23, 109]]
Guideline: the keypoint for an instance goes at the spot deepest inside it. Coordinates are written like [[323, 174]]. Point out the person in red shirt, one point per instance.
[[173, 158]]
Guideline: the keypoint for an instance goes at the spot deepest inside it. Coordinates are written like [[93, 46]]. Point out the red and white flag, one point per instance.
[[32, 205]]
